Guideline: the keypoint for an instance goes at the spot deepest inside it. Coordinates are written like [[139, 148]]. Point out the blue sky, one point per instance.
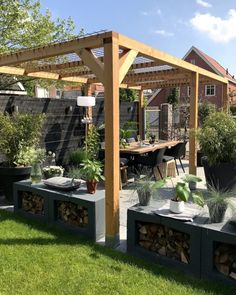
[[169, 25]]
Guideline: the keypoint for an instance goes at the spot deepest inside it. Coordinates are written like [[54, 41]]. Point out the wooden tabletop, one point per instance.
[[135, 148]]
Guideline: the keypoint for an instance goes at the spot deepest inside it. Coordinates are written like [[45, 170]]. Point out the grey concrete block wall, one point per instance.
[[95, 204], [213, 234], [144, 214]]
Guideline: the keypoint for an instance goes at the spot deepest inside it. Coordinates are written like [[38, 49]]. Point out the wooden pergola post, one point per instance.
[[112, 130], [225, 97], [141, 115], [193, 122]]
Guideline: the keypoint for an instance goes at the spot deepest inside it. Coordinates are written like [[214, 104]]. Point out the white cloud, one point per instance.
[[163, 33], [151, 12], [203, 3], [218, 29]]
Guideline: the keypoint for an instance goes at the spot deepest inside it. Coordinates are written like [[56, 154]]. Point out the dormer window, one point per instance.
[[193, 61]]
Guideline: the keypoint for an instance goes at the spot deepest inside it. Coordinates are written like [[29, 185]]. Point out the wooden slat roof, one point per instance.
[[66, 61]]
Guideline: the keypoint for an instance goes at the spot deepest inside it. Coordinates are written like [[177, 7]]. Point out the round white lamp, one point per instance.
[[86, 101]]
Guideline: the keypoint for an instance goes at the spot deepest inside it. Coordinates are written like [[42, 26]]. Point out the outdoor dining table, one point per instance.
[[142, 148]]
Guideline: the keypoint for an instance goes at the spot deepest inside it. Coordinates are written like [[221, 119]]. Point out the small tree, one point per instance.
[[204, 110], [173, 97], [23, 25], [128, 95]]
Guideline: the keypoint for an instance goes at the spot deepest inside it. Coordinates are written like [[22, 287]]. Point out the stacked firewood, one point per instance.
[[32, 203], [165, 241], [73, 214], [225, 260]]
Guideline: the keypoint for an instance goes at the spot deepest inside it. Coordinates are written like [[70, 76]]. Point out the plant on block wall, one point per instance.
[[92, 142]]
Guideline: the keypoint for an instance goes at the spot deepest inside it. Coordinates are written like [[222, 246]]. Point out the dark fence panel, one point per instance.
[[63, 130]]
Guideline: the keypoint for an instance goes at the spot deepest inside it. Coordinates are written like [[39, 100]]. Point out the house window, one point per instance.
[[188, 91], [193, 61], [210, 90], [58, 94]]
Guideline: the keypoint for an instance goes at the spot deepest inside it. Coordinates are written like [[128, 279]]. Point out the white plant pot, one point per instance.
[[177, 207]]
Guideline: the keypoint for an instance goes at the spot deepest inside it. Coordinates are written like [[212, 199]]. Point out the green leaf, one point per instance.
[[198, 198], [191, 178], [182, 191]]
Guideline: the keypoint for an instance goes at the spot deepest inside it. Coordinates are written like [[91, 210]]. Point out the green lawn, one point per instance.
[[37, 259]]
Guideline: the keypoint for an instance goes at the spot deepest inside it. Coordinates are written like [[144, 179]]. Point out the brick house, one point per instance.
[[207, 92]]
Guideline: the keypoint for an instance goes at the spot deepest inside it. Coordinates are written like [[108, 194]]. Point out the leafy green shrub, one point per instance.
[[128, 95], [204, 110], [30, 156], [217, 138], [18, 133], [233, 109], [77, 156], [173, 97], [92, 170], [93, 140]]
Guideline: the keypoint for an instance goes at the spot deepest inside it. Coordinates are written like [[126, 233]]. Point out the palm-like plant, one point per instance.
[[218, 202], [183, 193], [146, 187]]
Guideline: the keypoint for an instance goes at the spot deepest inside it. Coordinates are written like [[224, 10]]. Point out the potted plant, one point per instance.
[[205, 108], [145, 188], [183, 194], [92, 172], [52, 171], [17, 133], [34, 157], [217, 203], [217, 140]]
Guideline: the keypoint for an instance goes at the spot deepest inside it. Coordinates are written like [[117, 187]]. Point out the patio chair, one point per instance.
[[152, 160], [123, 167], [177, 152]]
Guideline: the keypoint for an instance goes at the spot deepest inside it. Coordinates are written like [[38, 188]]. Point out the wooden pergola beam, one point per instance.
[[166, 58], [92, 62], [12, 70], [52, 50], [55, 67], [126, 60]]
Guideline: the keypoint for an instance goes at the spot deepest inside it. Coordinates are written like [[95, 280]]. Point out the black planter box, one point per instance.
[[93, 204], [137, 214], [214, 235], [221, 176]]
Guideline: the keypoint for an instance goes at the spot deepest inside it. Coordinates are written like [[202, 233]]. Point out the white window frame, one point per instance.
[[210, 87], [193, 61]]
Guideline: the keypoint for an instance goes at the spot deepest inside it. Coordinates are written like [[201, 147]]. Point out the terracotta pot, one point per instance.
[[177, 206], [91, 186]]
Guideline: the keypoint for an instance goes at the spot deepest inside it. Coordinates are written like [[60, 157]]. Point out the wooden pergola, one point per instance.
[[115, 61]]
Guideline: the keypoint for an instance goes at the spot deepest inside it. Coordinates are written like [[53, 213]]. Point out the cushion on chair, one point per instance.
[[123, 162], [130, 139], [167, 158]]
